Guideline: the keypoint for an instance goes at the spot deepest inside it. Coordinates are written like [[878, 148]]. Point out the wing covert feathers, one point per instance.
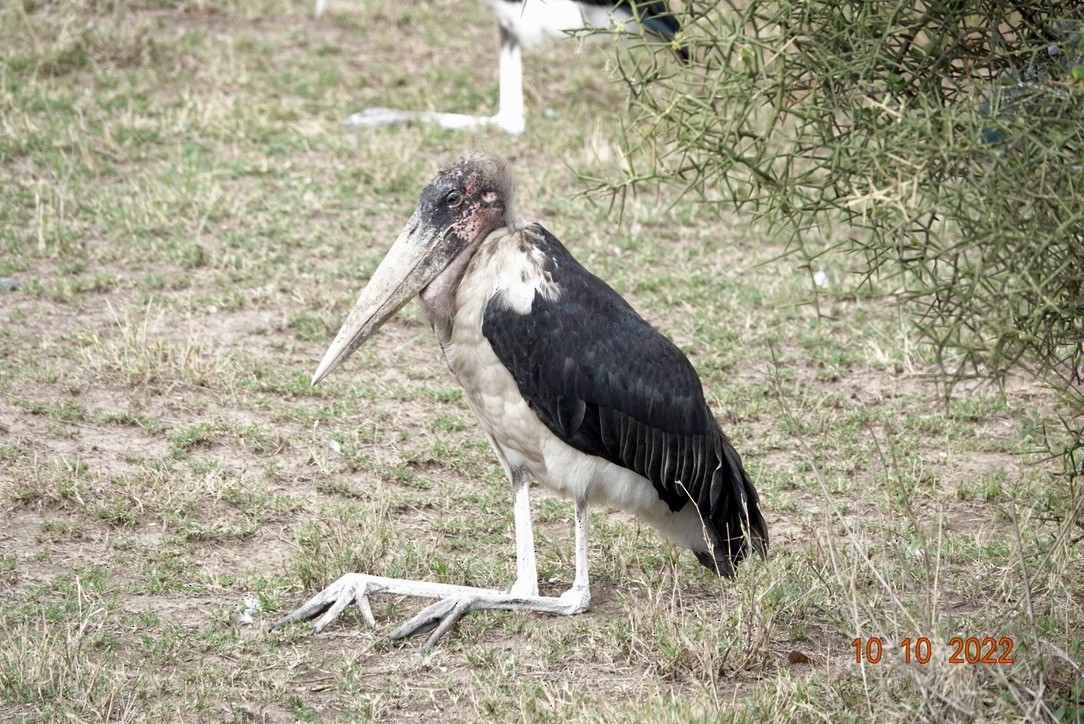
[[608, 384]]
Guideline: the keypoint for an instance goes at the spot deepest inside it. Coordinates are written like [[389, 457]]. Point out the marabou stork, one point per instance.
[[524, 24], [569, 384]]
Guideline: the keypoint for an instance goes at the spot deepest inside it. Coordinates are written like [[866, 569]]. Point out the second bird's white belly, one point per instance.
[[532, 21]]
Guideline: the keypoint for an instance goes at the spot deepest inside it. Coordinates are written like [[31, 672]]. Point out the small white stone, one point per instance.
[[249, 605]]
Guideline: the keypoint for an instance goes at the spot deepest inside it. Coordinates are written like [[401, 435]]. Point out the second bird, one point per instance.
[[525, 24]]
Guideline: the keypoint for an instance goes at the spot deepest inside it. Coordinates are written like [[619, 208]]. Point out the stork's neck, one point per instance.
[[438, 297]]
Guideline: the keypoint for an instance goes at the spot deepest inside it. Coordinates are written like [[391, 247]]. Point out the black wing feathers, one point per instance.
[[607, 383]]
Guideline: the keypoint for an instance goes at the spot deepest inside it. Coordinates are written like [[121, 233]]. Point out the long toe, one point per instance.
[[307, 612], [330, 602], [440, 616], [343, 600], [424, 620], [461, 609]]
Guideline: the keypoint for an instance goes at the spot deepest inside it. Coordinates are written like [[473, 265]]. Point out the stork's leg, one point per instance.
[[443, 614], [580, 593], [510, 116], [456, 601], [526, 569]]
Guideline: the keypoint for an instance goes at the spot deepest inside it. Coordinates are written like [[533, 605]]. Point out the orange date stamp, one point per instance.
[[970, 650]]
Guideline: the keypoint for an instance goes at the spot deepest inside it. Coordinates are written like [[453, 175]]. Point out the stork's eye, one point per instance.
[[453, 198]]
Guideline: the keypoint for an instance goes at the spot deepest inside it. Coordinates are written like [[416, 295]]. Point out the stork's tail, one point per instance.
[[734, 520]]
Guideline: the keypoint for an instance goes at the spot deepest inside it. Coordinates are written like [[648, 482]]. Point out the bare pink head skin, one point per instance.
[[459, 208]]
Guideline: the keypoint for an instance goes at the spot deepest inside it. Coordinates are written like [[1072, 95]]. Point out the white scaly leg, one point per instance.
[[510, 116], [579, 596], [456, 601], [526, 569]]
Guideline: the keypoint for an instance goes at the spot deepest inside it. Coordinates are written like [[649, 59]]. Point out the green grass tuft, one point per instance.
[[186, 225]]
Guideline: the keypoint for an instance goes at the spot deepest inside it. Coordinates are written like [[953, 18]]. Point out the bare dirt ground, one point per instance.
[[187, 224]]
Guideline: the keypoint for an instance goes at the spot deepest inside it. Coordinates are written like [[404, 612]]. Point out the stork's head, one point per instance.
[[457, 210]]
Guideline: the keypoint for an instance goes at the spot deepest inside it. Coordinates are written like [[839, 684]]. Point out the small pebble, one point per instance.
[[9, 285]]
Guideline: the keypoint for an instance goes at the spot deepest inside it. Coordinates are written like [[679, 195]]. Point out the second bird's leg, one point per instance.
[[510, 118]]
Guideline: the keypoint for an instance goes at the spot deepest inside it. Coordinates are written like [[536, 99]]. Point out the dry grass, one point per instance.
[[186, 224]]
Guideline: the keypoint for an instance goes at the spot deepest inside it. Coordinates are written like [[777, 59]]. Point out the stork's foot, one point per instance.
[[442, 615], [455, 602], [330, 602], [576, 599], [438, 618], [376, 117]]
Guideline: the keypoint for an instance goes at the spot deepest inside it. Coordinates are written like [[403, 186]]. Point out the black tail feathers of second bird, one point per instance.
[[656, 17]]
